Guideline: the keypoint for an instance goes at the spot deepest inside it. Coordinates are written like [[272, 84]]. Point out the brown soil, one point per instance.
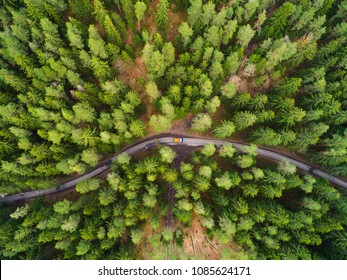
[[132, 71], [144, 249], [129, 38], [175, 20], [244, 84], [149, 18], [197, 245], [241, 84], [70, 195], [182, 125], [100, 29]]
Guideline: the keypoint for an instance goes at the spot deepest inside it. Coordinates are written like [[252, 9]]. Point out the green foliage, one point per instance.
[[186, 32], [136, 236], [244, 35], [20, 212], [228, 90], [88, 185], [152, 90], [72, 91], [161, 16], [201, 122], [167, 154], [208, 150], [226, 129]]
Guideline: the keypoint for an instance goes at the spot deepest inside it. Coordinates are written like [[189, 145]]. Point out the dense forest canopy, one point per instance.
[[81, 79], [246, 209]]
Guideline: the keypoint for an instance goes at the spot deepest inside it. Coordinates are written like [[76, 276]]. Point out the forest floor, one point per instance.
[[132, 72], [197, 245], [175, 20], [182, 126]]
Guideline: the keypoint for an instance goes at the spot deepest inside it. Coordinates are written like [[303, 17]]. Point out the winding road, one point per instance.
[[168, 140]]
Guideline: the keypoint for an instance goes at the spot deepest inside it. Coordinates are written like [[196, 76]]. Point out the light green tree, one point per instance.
[[149, 200], [90, 157], [245, 161], [74, 35], [20, 212], [205, 171], [137, 128], [286, 167], [227, 151], [152, 90], [201, 122], [208, 150], [228, 90], [213, 104], [83, 247], [96, 44], [124, 159], [88, 185], [167, 234], [167, 154], [71, 224], [226, 129], [224, 181], [186, 32], [162, 16], [244, 35], [62, 207], [160, 123], [136, 235], [244, 119], [140, 8]]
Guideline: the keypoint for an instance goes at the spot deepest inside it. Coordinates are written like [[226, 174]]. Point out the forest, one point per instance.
[[81, 80]]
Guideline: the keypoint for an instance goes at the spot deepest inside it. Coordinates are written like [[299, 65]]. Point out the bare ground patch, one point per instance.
[[175, 20], [149, 18], [129, 38], [198, 246], [182, 126], [247, 84], [131, 71]]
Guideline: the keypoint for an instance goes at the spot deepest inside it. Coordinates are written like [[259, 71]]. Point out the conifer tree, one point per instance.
[[161, 16]]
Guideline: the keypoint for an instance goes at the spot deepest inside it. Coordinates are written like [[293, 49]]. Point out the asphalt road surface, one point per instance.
[[189, 141]]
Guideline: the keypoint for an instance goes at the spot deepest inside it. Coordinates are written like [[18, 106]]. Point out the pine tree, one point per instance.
[[195, 13], [201, 122], [278, 20], [228, 90], [129, 10], [161, 16], [186, 32], [226, 129], [213, 36], [111, 31], [167, 154], [244, 119], [90, 157], [244, 35], [140, 8], [152, 90], [96, 44], [160, 123]]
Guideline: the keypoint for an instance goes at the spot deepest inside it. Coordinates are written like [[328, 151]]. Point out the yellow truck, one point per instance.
[[178, 140]]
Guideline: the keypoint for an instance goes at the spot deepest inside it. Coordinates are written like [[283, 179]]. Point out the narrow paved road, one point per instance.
[[189, 141]]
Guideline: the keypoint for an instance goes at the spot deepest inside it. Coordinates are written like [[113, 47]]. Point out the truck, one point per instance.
[[178, 140]]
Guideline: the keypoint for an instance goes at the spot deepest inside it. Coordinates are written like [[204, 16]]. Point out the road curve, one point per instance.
[[189, 141]]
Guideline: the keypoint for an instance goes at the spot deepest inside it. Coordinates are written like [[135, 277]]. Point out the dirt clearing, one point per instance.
[[198, 246]]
